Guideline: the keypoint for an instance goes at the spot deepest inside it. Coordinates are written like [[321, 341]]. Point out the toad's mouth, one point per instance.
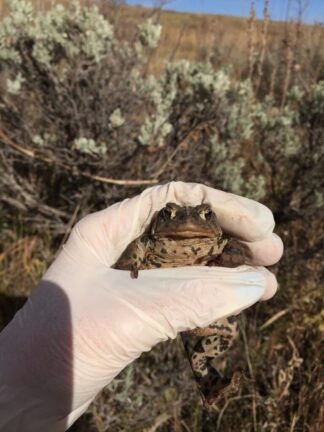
[[186, 233]]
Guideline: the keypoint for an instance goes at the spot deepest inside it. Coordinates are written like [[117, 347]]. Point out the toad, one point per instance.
[[192, 236]]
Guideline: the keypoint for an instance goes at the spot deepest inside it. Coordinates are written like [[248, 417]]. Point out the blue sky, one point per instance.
[[279, 9]]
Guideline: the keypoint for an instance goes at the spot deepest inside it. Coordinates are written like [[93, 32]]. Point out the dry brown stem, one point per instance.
[[264, 41], [252, 39], [33, 154]]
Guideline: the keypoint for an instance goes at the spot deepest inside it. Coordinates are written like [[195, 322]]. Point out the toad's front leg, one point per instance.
[[134, 256], [234, 254], [218, 338]]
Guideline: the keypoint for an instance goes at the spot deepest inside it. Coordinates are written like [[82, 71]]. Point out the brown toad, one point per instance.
[[191, 236]]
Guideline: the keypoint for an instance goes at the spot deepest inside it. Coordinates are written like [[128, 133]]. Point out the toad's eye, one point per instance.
[[205, 213], [169, 212]]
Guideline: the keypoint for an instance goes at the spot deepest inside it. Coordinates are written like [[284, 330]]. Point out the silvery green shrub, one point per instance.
[[80, 98]]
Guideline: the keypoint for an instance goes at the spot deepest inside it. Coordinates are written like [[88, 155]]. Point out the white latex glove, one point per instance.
[[85, 321]]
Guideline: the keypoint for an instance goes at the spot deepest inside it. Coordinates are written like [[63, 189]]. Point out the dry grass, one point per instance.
[[247, 44], [279, 349], [229, 40]]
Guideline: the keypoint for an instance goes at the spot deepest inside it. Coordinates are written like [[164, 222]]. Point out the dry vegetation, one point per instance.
[[222, 39], [281, 341]]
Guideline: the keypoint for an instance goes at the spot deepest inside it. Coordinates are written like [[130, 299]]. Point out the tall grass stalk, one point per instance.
[[264, 43], [252, 39]]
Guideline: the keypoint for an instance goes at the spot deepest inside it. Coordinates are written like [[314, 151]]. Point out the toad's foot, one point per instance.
[[223, 389]]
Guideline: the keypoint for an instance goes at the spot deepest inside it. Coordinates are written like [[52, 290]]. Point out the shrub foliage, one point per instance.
[[78, 100]]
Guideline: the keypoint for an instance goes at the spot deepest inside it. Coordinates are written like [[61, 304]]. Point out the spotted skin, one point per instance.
[[191, 236]]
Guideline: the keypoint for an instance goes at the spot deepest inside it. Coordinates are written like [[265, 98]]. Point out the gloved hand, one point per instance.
[[85, 321]]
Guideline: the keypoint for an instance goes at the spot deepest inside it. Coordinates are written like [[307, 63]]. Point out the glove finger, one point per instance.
[[112, 229], [184, 298], [265, 252], [240, 216]]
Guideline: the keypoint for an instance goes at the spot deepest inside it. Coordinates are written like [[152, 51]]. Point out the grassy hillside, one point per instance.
[[224, 40]]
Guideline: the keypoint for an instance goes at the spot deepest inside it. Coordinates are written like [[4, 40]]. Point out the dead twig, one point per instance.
[[159, 421], [293, 423], [221, 414], [274, 318], [70, 225], [178, 43], [252, 40], [27, 151], [248, 360], [264, 43], [12, 248], [182, 143]]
